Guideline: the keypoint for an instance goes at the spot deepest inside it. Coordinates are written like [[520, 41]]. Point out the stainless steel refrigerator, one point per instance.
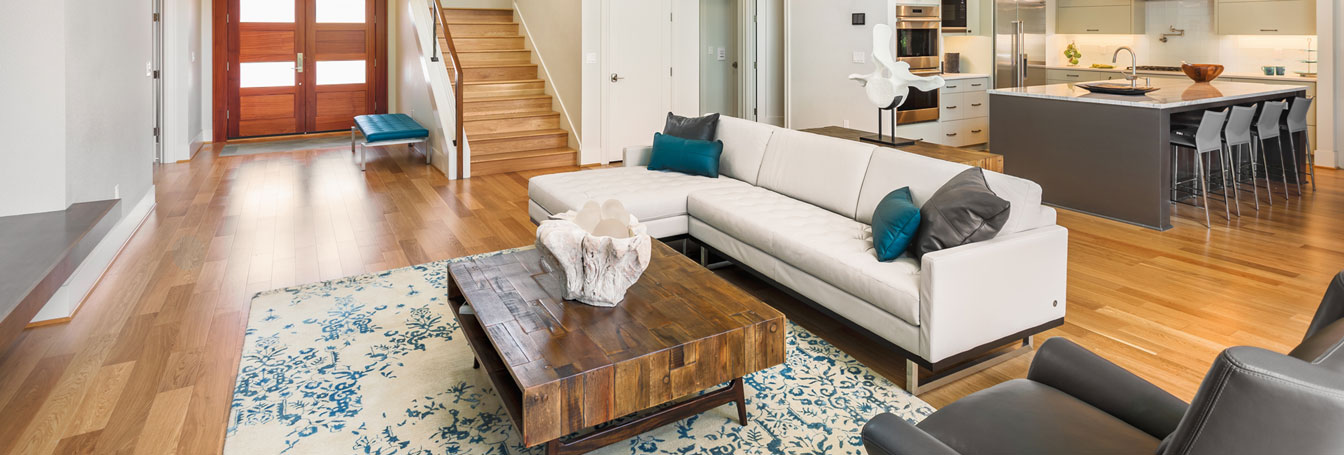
[[1019, 42]]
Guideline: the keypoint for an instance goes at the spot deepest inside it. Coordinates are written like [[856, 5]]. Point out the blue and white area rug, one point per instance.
[[375, 364]]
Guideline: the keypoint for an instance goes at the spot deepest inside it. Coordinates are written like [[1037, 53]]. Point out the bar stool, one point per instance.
[[1237, 142], [1266, 127], [1203, 140], [1293, 124]]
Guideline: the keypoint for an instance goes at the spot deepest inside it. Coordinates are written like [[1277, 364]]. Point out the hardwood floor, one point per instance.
[[149, 363]]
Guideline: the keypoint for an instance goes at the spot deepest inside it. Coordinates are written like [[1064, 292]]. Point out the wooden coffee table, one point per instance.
[[563, 367]]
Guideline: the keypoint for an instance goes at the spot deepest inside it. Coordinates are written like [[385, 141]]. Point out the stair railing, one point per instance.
[[440, 21]]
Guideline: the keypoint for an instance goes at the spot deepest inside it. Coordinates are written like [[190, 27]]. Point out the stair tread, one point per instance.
[[523, 154], [508, 97], [478, 9], [508, 115], [496, 65], [481, 23], [516, 134], [486, 37], [488, 51], [511, 81]]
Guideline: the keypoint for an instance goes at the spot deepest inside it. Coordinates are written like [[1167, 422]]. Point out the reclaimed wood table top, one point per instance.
[[681, 329], [979, 158]]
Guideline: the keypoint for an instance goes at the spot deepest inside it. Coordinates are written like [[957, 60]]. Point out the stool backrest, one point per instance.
[[1297, 115], [1267, 126], [1238, 129], [1208, 136]]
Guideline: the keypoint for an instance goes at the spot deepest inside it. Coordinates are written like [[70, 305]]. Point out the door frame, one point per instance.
[[220, 70]]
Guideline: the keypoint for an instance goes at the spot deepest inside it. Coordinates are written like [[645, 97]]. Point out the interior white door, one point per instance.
[[636, 64]]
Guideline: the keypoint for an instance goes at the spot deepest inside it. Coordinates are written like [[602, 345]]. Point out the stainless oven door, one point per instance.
[[917, 42], [920, 106]]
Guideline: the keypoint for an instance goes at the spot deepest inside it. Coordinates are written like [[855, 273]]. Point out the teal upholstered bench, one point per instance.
[[388, 129]]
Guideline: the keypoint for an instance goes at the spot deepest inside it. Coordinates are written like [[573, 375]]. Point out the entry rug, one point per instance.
[[375, 364], [290, 145]]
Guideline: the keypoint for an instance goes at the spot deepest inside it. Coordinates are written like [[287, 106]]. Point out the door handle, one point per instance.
[[616, 77], [299, 63]]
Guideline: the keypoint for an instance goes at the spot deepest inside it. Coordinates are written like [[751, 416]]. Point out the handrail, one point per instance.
[[457, 84]]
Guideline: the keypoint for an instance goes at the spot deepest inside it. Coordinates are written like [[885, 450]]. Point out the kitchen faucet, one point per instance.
[[1133, 76]]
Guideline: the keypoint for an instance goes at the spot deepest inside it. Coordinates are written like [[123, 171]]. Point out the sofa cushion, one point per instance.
[[687, 156], [963, 211], [824, 171], [648, 195], [831, 247], [891, 169], [1021, 416], [694, 128], [744, 143]]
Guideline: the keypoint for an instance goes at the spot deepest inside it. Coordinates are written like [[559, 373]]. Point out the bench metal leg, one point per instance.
[[352, 139], [363, 155]]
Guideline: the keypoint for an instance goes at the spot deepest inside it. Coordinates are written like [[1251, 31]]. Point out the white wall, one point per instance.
[[32, 67], [686, 57], [770, 99], [549, 27], [1329, 24], [410, 80], [718, 78], [819, 48], [182, 70]]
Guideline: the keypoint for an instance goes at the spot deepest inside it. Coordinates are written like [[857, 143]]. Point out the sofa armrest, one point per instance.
[[975, 294], [887, 434], [637, 155], [1074, 370]]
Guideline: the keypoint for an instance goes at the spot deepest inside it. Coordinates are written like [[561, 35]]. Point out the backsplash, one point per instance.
[[1240, 54]]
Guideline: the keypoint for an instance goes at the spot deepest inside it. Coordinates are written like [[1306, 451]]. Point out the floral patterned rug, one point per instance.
[[374, 364]]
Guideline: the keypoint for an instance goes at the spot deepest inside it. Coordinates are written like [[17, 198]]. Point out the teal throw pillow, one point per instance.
[[687, 156], [895, 223]]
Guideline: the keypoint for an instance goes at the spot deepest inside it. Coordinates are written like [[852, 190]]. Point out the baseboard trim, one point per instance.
[[1326, 159], [90, 273]]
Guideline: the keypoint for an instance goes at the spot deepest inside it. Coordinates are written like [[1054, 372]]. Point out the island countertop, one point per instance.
[[1170, 93]]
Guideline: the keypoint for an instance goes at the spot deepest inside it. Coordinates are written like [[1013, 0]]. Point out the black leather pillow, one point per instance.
[[963, 211], [693, 128]]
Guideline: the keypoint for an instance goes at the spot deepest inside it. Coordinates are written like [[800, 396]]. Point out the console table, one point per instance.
[[977, 158], [563, 367]]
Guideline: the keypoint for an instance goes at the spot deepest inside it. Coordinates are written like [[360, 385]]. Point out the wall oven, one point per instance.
[[955, 16], [917, 36], [917, 30]]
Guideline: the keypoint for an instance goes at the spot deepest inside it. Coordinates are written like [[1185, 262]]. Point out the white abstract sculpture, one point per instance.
[[888, 86], [890, 82], [598, 252]]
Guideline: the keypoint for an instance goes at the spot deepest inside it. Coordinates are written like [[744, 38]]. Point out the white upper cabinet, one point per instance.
[[1111, 17], [1265, 17]]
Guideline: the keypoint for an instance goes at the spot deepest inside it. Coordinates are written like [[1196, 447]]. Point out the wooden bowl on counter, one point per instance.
[[1201, 72]]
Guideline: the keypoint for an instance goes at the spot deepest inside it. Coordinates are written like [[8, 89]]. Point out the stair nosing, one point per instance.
[[484, 51], [509, 135], [486, 37], [512, 81], [480, 23], [498, 65], [496, 156], [506, 98], [467, 117]]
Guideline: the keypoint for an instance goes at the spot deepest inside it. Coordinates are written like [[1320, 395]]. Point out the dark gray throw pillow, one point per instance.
[[963, 211], [693, 128]]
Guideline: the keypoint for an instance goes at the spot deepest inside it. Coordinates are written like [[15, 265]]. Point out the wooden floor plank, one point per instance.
[[149, 363]]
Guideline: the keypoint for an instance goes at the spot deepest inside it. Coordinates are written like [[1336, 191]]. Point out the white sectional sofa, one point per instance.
[[795, 208]]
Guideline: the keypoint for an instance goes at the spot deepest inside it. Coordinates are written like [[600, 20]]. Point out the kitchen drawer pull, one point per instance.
[[951, 134], [951, 86], [1269, 29], [951, 107], [1094, 30], [976, 104], [976, 85], [1070, 75], [976, 131]]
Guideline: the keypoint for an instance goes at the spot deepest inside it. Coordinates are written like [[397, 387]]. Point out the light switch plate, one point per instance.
[[592, 57], [859, 57], [723, 54]]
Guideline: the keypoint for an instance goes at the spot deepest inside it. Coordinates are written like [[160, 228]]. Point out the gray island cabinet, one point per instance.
[[1111, 155]]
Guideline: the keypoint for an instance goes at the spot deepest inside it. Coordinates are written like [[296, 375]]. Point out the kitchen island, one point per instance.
[[1110, 155]]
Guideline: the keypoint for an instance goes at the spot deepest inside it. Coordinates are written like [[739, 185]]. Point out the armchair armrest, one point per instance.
[[975, 294], [1074, 370], [637, 155], [887, 434]]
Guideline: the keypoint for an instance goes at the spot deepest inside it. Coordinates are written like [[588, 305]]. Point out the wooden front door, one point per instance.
[[302, 66]]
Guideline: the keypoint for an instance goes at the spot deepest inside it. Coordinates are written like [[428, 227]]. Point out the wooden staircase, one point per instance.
[[507, 115]]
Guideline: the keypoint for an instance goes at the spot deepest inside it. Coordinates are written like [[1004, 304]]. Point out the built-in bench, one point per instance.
[[39, 252], [387, 129]]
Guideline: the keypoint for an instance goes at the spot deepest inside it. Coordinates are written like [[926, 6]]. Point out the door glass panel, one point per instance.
[[346, 11], [266, 74], [340, 72], [266, 10]]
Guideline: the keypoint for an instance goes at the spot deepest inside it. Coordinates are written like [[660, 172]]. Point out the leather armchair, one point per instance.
[[1252, 401]]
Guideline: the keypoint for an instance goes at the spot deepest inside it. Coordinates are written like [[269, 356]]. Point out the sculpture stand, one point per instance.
[[890, 139]]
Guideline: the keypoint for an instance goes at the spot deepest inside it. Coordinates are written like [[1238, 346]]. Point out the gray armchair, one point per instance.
[[1252, 401]]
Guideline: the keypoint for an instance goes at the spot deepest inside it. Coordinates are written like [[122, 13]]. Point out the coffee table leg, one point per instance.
[[475, 363], [741, 400]]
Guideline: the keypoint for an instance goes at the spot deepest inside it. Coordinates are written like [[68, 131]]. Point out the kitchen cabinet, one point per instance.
[[1111, 17], [979, 20], [1265, 17], [963, 113]]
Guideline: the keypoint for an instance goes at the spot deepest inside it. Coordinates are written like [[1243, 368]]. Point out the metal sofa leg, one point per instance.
[[352, 139], [915, 385]]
